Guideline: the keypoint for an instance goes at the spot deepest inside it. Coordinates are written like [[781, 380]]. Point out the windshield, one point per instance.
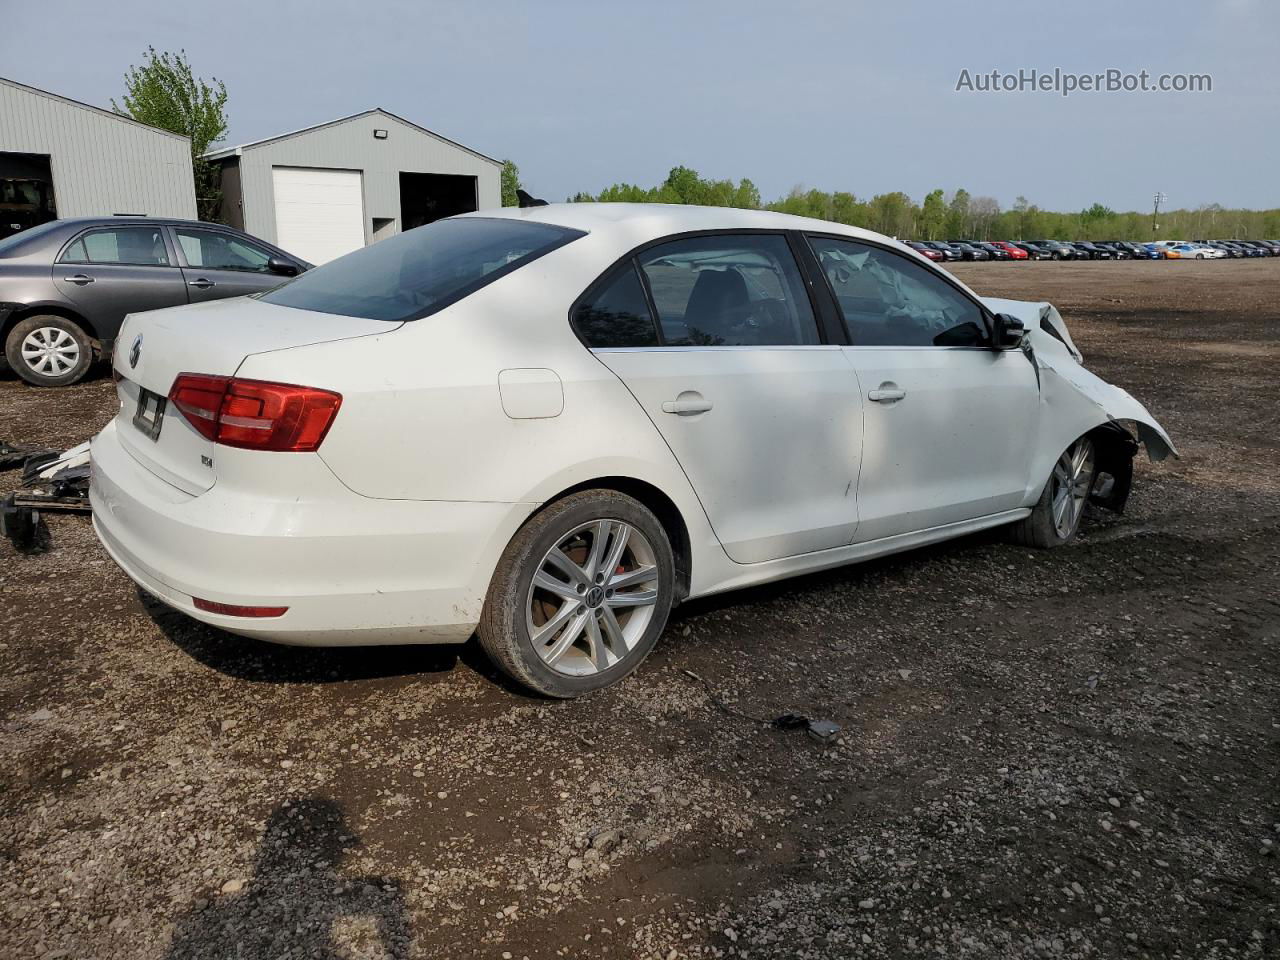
[[409, 276]]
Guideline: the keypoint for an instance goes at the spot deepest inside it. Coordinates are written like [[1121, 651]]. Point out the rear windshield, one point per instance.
[[418, 272], [13, 244]]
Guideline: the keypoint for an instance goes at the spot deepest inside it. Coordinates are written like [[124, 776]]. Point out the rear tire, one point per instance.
[[49, 351], [1055, 519], [605, 582]]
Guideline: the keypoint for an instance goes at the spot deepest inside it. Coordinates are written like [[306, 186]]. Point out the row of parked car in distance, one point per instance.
[[948, 251]]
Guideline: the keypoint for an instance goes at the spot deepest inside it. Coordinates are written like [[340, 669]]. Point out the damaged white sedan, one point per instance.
[[549, 425]]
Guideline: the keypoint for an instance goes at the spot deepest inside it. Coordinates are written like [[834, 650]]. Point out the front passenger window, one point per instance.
[[219, 251], [887, 300]]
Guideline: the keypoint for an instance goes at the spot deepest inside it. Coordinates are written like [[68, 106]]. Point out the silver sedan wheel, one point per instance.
[[1072, 481], [50, 351], [592, 597]]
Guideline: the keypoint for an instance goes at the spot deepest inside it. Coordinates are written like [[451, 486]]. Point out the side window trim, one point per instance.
[[654, 317], [983, 312], [832, 328]]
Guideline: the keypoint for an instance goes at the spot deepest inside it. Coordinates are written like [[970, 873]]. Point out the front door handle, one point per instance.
[[80, 278], [200, 283], [687, 404], [887, 393]]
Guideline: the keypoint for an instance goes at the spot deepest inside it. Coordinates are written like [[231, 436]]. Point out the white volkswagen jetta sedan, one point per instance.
[[548, 425]]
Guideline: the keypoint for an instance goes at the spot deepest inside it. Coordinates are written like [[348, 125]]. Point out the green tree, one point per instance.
[[958, 215], [510, 183], [164, 92], [933, 215], [893, 214]]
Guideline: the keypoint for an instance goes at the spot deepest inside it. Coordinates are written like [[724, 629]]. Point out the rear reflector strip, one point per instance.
[[233, 610]]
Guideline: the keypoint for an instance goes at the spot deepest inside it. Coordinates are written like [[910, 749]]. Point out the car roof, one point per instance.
[[662, 219], [130, 219]]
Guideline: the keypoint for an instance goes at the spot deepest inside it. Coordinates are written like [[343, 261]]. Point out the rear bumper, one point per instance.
[[352, 570]]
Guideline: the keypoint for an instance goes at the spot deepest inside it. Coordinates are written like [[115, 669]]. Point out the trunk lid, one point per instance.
[[209, 338]]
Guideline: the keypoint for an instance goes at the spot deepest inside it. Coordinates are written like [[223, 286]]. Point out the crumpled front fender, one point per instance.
[[1074, 400]]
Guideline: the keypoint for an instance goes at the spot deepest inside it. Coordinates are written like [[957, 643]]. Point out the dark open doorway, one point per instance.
[[26, 192], [426, 197]]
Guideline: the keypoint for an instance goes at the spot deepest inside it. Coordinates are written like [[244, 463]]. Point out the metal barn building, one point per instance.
[[63, 158], [330, 189]]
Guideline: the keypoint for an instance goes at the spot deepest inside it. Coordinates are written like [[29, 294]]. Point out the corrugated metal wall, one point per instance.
[[101, 164], [350, 145]]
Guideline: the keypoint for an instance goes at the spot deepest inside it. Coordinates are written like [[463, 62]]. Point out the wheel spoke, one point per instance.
[[549, 583], [1079, 457], [568, 638], [640, 598], [548, 630], [1060, 504], [558, 559], [599, 537], [631, 578], [620, 538], [613, 631], [596, 649]]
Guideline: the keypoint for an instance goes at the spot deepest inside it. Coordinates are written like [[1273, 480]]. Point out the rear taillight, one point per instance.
[[254, 414]]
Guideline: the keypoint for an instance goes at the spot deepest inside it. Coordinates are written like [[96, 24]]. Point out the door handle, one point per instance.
[[200, 283], [687, 404], [80, 278], [886, 394]]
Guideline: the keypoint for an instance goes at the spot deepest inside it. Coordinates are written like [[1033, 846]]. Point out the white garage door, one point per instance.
[[319, 213]]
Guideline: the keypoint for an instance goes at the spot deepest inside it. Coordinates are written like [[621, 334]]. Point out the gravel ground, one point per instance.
[[1044, 754]]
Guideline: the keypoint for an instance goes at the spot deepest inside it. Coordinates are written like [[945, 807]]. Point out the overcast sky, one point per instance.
[[838, 94]]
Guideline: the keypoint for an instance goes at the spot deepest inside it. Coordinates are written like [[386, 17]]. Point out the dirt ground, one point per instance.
[[1072, 753]]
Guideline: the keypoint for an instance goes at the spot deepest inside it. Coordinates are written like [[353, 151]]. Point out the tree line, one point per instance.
[[952, 215], [164, 92]]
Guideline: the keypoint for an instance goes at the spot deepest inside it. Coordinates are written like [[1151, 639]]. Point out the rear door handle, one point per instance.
[[886, 394], [687, 404], [80, 278], [200, 283]]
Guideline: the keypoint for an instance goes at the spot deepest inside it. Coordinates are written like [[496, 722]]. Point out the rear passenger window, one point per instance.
[[617, 314], [888, 300], [139, 246], [732, 290]]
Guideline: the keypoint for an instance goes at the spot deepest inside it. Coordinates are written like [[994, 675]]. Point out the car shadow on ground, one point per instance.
[[258, 661], [297, 901], [862, 574], [261, 662]]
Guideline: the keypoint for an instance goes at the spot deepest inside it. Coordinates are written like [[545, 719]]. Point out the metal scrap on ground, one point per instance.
[[51, 481]]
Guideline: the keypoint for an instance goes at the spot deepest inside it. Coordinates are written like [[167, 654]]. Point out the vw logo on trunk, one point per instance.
[[135, 351]]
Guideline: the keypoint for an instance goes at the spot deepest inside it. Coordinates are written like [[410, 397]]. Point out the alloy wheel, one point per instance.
[[50, 351], [1072, 483], [592, 597]]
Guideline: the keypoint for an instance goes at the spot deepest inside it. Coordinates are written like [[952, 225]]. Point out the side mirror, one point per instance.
[[282, 266], [1007, 332]]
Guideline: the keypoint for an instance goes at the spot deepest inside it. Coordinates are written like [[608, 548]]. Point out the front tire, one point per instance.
[[1055, 519], [48, 351], [580, 596]]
